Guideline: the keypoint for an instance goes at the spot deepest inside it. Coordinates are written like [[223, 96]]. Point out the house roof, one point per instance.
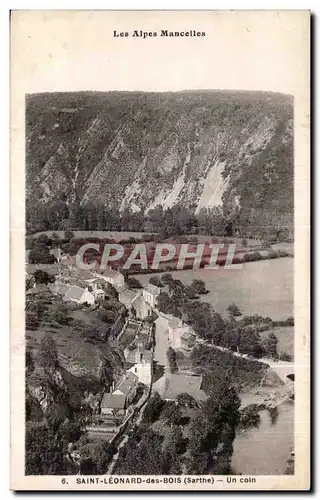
[[127, 297], [111, 273], [115, 401], [84, 275], [126, 385], [131, 356], [179, 383], [75, 292], [99, 281], [59, 288], [139, 301]]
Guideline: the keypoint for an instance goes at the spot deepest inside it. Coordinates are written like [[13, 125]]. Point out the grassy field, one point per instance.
[[264, 287]]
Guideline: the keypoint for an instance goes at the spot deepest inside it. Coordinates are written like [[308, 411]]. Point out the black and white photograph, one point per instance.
[[160, 321]]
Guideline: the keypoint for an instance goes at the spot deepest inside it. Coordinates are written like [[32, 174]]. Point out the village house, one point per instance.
[[188, 341], [113, 403], [79, 295], [127, 297], [127, 386], [180, 383], [178, 333], [151, 294], [111, 276], [118, 400], [98, 294], [141, 308], [95, 286], [141, 361]]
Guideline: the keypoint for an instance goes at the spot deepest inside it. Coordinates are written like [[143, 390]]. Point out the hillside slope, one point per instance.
[[134, 149]]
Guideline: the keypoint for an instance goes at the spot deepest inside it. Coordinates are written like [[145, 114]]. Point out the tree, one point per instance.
[[166, 278], [58, 313], [141, 455], [55, 236], [191, 292], [284, 356], [273, 414], [172, 414], [40, 254], [257, 351], [249, 417], [32, 320], [153, 408], [101, 456], [213, 429], [270, 344], [234, 310], [164, 303], [110, 291], [133, 283], [69, 431], [154, 280], [43, 239], [68, 235], [199, 287], [184, 399], [172, 359], [172, 446], [48, 355], [43, 277], [43, 454]]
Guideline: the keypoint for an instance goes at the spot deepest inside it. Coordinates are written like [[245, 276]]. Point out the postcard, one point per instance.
[[160, 226]]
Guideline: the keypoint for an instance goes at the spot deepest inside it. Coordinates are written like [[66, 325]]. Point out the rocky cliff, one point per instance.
[[133, 149]]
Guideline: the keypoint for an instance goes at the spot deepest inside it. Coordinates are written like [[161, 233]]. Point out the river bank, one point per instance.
[[268, 448]]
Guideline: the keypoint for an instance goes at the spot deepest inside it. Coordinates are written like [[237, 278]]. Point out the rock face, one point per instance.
[[133, 149]]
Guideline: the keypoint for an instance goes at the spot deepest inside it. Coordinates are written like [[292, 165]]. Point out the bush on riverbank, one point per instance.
[[249, 417], [212, 362]]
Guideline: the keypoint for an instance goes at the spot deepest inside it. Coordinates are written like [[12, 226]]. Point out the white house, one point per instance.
[[95, 286], [177, 331], [98, 294], [120, 398], [112, 403], [142, 309], [79, 295], [127, 297], [142, 367], [113, 277], [151, 294]]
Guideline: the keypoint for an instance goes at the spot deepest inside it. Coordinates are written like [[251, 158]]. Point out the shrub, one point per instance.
[[172, 359], [249, 417]]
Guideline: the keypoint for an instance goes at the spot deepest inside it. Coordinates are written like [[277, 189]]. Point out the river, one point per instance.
[[265, 449], [264, 287]]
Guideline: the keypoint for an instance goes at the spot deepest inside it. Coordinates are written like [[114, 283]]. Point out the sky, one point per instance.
[[76, 50]]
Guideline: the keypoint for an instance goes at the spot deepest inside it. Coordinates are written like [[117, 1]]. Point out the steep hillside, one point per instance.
[[133, 149]]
